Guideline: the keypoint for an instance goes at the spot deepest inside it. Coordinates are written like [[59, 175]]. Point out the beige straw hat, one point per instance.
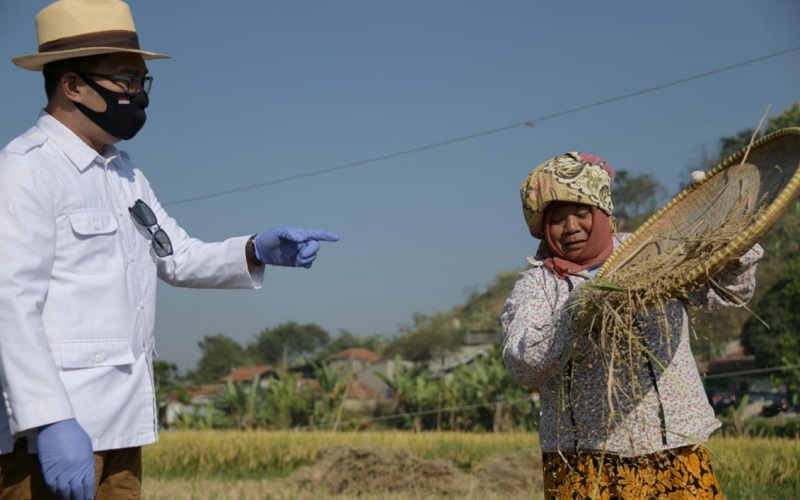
[[80, 28], [711, 222]]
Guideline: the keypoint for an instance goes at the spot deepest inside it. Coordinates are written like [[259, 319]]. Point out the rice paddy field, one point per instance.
[[404, 465]]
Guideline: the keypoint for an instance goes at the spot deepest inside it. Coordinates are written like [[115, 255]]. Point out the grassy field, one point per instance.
[[398, 465]]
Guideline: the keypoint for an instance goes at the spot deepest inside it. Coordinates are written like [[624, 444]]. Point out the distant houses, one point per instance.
[[476, 345], [200, 398], [366, 391], [364, 365]]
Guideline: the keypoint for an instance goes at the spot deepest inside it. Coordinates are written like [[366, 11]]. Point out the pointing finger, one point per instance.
[[323, 235]]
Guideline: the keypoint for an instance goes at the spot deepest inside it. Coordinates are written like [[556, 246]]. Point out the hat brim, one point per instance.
[[36, 62]]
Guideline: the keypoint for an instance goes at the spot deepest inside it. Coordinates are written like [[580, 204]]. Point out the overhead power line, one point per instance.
[[492, 404], [419, 413], [755, 371], [530, 123]]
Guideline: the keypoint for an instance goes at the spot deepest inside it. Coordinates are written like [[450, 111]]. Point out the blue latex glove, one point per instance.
[[65, 452], [290, 246]]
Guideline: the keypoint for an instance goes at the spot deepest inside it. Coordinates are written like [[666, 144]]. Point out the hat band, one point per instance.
[[119, 39]]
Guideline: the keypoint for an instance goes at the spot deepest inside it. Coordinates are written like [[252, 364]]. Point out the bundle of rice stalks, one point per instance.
[[646, 283], [371, 470]]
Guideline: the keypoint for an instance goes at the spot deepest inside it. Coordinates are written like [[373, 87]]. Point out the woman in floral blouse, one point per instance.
[[635, 434]]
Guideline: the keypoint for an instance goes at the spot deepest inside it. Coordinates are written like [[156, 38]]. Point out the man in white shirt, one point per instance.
[[84, 241]]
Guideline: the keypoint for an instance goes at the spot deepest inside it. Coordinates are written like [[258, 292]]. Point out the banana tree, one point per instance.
[[285, 404], [333, 384], [238, 403], [418, 395]]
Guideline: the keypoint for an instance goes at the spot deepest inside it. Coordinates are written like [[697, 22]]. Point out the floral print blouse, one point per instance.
[[658, 402]]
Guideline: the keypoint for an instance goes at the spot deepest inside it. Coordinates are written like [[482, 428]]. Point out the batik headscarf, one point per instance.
[[577, 178]]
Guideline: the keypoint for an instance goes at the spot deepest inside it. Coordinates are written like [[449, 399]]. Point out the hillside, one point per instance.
[[481, 311]]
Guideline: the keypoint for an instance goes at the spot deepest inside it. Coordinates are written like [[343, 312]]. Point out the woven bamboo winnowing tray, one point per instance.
[[757, 191]]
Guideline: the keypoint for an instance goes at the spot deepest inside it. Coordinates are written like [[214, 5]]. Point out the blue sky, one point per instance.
[[261, 91]]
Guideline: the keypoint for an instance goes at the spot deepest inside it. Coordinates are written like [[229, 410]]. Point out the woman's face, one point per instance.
[[570, 226]]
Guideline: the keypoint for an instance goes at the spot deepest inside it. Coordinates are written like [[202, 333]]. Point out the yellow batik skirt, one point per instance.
[[680, 473]]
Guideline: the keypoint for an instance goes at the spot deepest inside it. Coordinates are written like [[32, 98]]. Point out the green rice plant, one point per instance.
[[757, 468]]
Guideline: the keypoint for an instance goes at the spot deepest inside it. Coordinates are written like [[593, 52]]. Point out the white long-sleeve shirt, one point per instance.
[[78, 287]]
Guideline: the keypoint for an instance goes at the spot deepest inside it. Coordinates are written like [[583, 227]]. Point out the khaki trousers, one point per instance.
[[117, 474]]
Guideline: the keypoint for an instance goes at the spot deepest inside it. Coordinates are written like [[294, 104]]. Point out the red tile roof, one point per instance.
[[195, 391], [355, 353], [247, 373], [203, 390]]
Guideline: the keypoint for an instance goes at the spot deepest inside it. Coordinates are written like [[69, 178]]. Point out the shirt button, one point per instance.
[[130, 257], [99, 357]]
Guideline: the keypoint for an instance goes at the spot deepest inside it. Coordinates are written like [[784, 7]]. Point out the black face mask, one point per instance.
[[124, 115]]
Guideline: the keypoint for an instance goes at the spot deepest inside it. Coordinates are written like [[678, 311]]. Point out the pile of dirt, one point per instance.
[[356, 470], [511, 473]]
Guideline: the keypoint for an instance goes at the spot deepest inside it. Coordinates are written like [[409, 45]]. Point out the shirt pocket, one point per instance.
[[93, 247], [95, 353]]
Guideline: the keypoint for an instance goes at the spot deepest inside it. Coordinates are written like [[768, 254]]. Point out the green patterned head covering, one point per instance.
[[573, 177]]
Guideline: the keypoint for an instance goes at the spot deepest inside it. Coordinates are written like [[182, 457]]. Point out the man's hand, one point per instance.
[[67, 459], [290, 246]]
